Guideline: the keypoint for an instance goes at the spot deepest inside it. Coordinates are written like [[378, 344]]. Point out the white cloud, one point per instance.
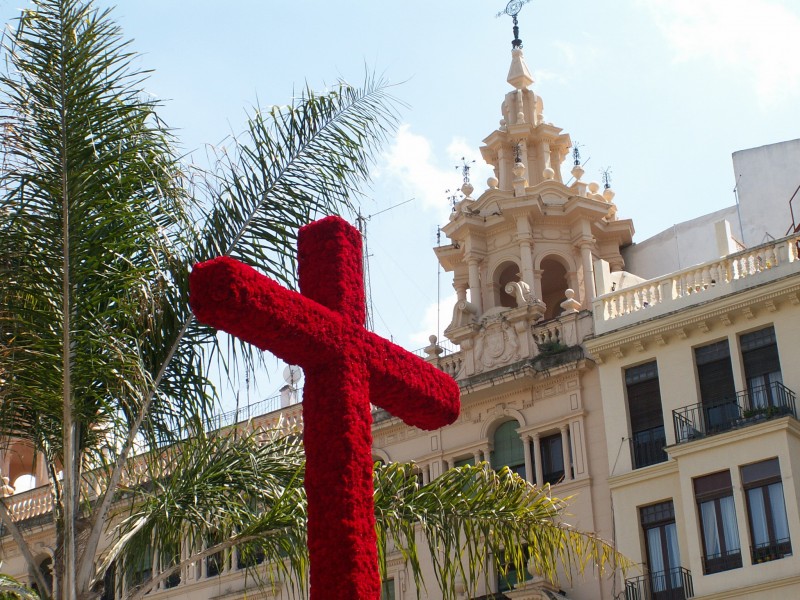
[[440, 314], [757, 40], [412, 162]]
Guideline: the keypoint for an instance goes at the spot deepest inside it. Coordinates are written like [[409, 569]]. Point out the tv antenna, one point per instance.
[[512, 10], [361, 224]]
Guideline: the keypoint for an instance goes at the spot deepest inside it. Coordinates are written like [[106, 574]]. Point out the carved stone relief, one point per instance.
[[497, 343]]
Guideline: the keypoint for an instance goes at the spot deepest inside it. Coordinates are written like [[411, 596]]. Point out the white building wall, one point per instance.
[[766, 177]]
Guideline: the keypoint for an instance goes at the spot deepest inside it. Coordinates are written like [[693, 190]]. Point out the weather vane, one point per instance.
[[576, 154], [518, 152], [606, 177], [465, 167], [453, 198], [512, 10]]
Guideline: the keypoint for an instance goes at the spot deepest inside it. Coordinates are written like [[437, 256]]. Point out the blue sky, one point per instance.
[[660, 91]]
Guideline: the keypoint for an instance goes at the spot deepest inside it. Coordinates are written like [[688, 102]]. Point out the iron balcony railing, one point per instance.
[[647, 447], [722, 561], [772, 550], [751, 406], [672, 584]]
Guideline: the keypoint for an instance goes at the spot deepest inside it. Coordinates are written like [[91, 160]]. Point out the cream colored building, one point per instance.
[[698, 372], [662, 403]]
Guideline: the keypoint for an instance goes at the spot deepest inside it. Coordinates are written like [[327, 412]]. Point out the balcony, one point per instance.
[[723, 561], [749, 407], [697, 284], [673, 584], [647, 447], [771, 551]]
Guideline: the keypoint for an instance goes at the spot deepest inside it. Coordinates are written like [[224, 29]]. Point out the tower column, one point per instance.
[[537, 283], [565, 451], [461, 291], [537, 460], [588, 272], [475, 284], [526, 441], [546, 171], [525, 250], [503, 171]]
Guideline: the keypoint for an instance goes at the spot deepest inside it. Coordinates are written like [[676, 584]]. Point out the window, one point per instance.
[[552, 458], [249, 555], [216, 561], [720, 531], [506, 273], [647, 419], [140, 569], [508, 450], [509, 577], [109, 583], [464, 461], [387, 589], [762, 369], [168, 557], [717, 390], [766, 511], [665, 578]]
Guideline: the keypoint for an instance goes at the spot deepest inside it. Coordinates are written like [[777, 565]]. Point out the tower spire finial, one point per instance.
[[512, 10]]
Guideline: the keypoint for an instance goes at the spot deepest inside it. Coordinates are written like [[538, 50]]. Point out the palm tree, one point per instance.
[[104, 372], [473, 520], [98, 221]]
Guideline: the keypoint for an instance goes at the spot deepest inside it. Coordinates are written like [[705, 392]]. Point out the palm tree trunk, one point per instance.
[[69, 591]]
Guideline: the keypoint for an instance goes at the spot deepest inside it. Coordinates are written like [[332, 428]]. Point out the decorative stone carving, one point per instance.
[[434, 350], [497, 343], [521, 292], [570, 305], [464, 313]]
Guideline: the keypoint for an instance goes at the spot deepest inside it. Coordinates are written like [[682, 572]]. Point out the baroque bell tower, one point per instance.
[[522, 253]]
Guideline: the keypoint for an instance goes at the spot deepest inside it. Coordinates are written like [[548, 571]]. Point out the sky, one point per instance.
[[661, 92]]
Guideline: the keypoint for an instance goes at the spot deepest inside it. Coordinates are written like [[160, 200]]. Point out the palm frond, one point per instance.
[[245, 490], [475, 520], [292, 164]]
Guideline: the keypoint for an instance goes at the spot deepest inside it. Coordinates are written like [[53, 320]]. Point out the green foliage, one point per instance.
[[11, 589], [475, 521], [99, 227], [247, 489]]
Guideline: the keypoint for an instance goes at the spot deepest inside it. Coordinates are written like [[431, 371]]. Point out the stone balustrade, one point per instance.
[[696, 284], [31, 503]]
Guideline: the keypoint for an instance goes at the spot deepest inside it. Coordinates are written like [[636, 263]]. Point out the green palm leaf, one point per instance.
[[248, 490], [99, 227]]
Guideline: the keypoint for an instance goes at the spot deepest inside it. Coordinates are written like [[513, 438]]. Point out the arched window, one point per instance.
[[505, 274], [508, 449], [554, 284], [23, 483]]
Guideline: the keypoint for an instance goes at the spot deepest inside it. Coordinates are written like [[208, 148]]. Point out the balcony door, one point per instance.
[[663, 554], [717, 390], [762, 369], [646, 417]]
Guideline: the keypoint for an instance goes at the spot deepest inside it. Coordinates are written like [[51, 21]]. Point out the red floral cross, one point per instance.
[[346, 368]]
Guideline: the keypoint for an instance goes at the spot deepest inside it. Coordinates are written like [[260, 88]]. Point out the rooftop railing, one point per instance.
[[694, 283]]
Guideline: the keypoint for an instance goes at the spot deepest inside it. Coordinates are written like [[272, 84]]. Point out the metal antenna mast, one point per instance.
[[361, 225]]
